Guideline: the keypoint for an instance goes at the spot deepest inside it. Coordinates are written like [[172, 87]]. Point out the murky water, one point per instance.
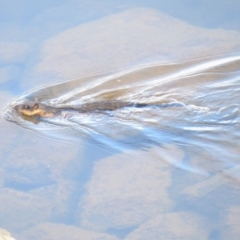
[[169, 172]]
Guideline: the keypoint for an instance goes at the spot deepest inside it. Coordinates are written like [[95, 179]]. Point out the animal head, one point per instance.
[[29, 110]]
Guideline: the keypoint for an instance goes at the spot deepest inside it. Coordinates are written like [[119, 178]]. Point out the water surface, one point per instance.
[[135, 173]]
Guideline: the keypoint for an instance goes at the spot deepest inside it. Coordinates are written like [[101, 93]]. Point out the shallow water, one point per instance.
[[190, 119], [134, 173]]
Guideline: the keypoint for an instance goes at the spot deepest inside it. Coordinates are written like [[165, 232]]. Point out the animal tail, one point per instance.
[[159, 105]]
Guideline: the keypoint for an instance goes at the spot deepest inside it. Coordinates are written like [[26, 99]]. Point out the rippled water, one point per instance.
[[206, 90], [168, 171]]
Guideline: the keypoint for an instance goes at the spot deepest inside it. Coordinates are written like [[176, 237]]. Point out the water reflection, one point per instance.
[[132, 173], [189, 137]]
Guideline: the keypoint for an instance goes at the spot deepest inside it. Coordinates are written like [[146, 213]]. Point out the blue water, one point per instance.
[[135, 173]]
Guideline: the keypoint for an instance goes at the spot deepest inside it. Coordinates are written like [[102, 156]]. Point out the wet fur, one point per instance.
[[35, 111], [41, 110]]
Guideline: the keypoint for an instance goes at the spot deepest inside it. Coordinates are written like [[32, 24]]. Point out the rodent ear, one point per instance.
[[35, 106]]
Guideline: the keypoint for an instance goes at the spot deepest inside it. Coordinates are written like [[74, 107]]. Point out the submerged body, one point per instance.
[[42, 110], [35, 111]]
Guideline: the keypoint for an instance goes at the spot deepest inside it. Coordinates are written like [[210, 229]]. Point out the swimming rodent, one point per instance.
[[42, 110], [35, 111]]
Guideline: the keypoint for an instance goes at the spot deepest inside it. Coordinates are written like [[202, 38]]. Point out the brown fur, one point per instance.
[[37, 109], [41, 110]]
